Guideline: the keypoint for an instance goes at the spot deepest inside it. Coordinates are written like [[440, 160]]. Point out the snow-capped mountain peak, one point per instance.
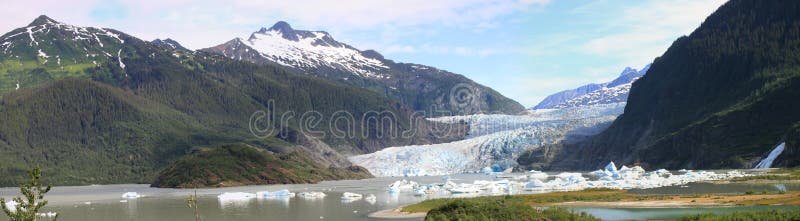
[[42, 20], [307, 50], [591, 94]]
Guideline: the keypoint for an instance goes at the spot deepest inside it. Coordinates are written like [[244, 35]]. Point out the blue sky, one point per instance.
[[526, 49]]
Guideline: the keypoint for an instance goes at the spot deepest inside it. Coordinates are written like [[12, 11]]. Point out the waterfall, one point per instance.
[[767, 162]]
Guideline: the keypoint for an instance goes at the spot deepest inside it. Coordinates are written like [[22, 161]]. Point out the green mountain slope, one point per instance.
[[237, 164], [123, 116], [722, 97]]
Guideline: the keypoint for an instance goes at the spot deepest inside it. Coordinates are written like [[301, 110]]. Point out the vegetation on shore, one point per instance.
[[502, 208], [526, 207], [776, 175], [611, 197], [746, 215], [241, 164]]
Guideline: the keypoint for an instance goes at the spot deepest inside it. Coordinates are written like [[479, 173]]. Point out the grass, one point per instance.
[[524, 207], [500, 209], [747, 215], [602, 196]]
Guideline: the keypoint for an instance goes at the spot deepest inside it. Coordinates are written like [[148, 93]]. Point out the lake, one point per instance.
[[104, 202]]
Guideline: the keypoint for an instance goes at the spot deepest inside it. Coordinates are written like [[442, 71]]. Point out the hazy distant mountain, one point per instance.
[[591, 94], [316, 53]]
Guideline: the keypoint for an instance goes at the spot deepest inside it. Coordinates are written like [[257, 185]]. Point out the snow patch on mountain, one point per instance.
[[604, 93], [312, 49], [495, 141]]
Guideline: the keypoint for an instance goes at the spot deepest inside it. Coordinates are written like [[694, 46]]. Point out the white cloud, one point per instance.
[[648, 29]]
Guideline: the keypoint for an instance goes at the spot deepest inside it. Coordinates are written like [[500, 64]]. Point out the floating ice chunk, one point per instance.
[[236, 196], [131, 195], [312, 195], [538, 175], [47, 214], [534, 184], [371, 199], [349, 195], [12, 205], [611, 167], [599, 173], [403, 185], [279, 193], [571, 177], [465, 188]]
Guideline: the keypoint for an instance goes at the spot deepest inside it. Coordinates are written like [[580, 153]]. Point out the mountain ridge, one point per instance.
[[316, 53], [595, 93]]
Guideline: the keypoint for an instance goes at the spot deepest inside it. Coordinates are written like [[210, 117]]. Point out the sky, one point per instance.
[[525, 49]]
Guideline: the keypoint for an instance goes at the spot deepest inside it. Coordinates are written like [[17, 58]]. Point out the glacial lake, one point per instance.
[[104, 202]]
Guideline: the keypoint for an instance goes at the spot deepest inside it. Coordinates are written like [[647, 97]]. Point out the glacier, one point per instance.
[[494, 141]]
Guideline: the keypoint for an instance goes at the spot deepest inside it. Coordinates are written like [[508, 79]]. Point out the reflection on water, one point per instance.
[[170, 204]]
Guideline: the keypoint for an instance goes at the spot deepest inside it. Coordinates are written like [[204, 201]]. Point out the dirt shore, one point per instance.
[[395, 214]]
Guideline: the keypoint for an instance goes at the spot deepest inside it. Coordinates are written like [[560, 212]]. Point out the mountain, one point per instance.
[[169, 43], [722, 97], [316, 53], [133, 107], [604, 93]]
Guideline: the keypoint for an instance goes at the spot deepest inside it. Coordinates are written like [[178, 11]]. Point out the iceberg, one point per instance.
[[236, 196], [371, 199], [534, 184], [403, 185], [467, 189], [351, 196], [533, 174], [277, 194], [12, 205], [312, 195], [131, 195], [611, 167], [47, 214]]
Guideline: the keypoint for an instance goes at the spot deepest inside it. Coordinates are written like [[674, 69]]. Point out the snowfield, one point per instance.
[[493, 144], [313, 51]]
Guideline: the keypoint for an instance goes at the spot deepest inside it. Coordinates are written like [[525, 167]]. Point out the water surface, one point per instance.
[[103, 202]]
